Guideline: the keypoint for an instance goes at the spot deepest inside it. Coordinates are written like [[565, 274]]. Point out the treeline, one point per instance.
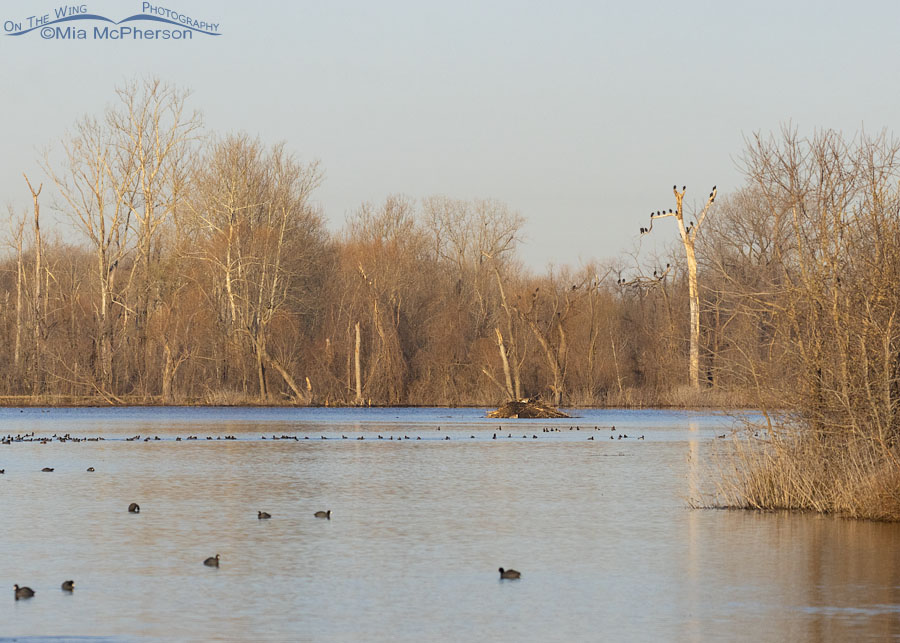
[[204, 274]]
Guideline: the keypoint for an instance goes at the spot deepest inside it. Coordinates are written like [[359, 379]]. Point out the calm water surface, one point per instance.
[[600, 529]]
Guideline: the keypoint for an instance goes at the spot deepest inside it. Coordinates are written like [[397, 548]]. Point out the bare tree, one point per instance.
[[824, 304], [17, 235], [37, 312], [96, 190], [388, 248], [688, 239], [153, 133], [260, 233], [477, 239], [548, 313]]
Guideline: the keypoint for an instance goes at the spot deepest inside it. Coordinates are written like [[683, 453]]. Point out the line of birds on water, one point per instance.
[[31, 437], [213, 561]]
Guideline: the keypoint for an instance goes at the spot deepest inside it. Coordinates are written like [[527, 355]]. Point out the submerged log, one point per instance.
[[527, 408]]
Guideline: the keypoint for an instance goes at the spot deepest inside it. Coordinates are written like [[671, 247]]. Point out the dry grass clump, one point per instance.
[[796, 469], [689, 397], [679, 397], [228, 397]]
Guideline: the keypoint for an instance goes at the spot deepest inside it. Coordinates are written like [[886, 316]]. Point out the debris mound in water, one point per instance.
[[527, 408]]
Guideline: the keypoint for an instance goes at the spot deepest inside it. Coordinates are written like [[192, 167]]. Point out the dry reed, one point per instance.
[[797, 469]]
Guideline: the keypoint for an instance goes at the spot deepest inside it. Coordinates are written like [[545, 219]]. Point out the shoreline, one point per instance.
[[12, 402]]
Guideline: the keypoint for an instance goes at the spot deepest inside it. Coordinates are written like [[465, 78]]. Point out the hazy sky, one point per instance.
[[580, 115]]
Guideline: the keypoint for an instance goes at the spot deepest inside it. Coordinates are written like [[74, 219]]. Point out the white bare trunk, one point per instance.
[[509, 385], [357, 369]]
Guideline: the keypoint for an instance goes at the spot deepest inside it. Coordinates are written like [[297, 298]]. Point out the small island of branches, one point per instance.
[[526, 408]]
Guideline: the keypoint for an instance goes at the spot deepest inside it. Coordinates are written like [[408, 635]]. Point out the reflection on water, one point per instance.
[[600, 530]]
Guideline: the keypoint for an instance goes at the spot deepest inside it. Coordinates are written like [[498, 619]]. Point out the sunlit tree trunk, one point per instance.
[[357, 370], [509, 385], [36, 308]]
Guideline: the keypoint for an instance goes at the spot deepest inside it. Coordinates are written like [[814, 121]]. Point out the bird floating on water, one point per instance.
[[509, 574], [323, 514], [23, 592], [263, 515], [212, 561], [68, 585], [134, 508]]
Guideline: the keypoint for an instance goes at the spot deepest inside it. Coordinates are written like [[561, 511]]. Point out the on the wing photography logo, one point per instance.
[[76, 22]]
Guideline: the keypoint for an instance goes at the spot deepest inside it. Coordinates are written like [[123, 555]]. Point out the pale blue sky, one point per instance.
[[580, 115]]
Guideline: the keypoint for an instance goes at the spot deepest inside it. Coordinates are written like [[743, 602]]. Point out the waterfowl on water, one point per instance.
[[212, 561], [263, 515], [323, 514], [23, 592], [48, 469], [134, 508], [510, 574], [68, 585], [90, 468]]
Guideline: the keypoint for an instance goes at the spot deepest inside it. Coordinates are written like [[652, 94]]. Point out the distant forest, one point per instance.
[[205, 274]]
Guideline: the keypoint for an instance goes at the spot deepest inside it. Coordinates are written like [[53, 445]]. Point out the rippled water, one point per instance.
[[600, 529]]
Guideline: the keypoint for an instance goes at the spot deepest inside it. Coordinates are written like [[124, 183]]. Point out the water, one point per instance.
[[600, 529]]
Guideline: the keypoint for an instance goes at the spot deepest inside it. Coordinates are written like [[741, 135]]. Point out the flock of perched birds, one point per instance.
[[212, 561]]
